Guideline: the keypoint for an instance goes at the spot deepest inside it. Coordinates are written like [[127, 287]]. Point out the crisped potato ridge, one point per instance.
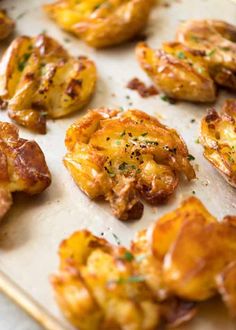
[[38, 78], [177, 72], [100, 286], [101, 23], [22, 166], [125, 156], [218, 137], [216, 40], [6, 25]]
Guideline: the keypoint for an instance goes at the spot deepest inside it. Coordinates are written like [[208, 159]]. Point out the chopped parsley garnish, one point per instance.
[[130, 279], [144, 134], [212, 52], [128, 256], [190, 157], [23, 61], [181, 55], [192, 120], [193, 192], [194, 38], [123, 134], [151, 142], [165, 98], [118, 142]]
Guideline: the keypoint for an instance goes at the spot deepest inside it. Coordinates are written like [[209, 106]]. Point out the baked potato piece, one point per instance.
[[178, 72], [22, 166], [39, 79], [218, 137], [216, 40], [191, 273], [7, 25], [166, 229], [101, 23], [98, 288], [125, 156]]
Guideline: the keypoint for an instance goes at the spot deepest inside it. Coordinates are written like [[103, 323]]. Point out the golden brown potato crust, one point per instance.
[[218, 137], [177, 72], [216, 40], [22, 166], [125, 156], [185, 257], [101, 23], [38, 78], [7, 25]]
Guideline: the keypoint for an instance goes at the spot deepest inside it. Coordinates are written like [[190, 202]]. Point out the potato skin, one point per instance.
[[216, 40], [38, 78], [101, 23], [177, 72], [7, 25], [22, 166], [125, 156], [115, 297], [218, 136]]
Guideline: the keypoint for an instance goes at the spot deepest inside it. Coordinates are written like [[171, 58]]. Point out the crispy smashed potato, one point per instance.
[[178, 72], [6, 25], [97, 286], [218, 137], [125, 156], [216, 41], [22, 166], [38, 78], [100, 286], [101, 23]]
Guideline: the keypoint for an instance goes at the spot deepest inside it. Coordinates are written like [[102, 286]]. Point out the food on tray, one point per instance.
[[39, 79], [6, 25], [216, 41], [218, 137], [101, 23], [177, 72], [23, 166], [143, 90], [184, 258], [125, 156]]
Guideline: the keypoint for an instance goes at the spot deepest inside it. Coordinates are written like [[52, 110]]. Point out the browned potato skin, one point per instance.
[[38, 78], [102, 23], [22, 166], [218, 136], [7, 25], [178, 72], [217, 42], [125, 156], [115, 297]]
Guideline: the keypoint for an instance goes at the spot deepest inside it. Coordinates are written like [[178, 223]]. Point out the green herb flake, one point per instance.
[[128, 256], [194, 38], [118, 142], [197, 141], [211, 53], [123, 134], [165, 98], [190, 157], [194, 192], [23, 61], [144, 134], [181, 55], [192, 120]]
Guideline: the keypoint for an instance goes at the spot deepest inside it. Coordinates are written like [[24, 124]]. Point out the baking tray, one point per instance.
[[34, 227]]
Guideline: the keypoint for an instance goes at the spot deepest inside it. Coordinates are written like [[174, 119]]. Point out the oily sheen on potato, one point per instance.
[[185, 257], [39, 79], [125, 156], [101, 23], [22, 166]]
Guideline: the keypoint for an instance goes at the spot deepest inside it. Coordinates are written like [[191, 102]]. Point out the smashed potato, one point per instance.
[[101, 23], [216, 42], [178, 72], [6, 25], [22, 166], [154, 283], [125, 156], [39, 79], [218, 137], [115, 297]]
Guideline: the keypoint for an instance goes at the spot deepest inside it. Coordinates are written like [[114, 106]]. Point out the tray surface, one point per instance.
[[34, 227]]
